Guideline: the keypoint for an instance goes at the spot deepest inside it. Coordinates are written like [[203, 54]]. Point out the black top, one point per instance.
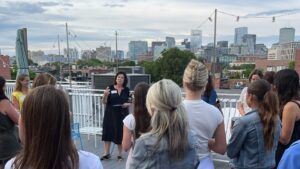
[[295, 136], [9, 144]]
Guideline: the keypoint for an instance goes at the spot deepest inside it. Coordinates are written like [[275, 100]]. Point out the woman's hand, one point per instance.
[[125, 105], [106, 92]]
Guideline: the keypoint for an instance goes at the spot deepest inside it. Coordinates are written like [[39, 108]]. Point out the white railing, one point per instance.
[[88, 109]]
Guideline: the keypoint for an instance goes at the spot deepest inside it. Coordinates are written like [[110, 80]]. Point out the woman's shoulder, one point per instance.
[[89, 160], [9, 164]]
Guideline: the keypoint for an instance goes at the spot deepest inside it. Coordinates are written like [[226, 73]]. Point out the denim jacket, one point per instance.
[[246, 145], [143, 156]]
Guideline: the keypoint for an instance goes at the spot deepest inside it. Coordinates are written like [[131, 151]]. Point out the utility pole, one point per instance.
[[60, 64], [117, 52], [215, 49], [68, 56]]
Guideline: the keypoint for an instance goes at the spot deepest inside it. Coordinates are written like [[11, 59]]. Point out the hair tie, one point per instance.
[[173, 109]]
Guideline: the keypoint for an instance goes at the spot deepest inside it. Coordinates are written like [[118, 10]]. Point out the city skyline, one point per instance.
[[93, 23]]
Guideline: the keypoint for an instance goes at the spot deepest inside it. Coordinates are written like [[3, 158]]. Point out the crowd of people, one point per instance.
[[164, 130]]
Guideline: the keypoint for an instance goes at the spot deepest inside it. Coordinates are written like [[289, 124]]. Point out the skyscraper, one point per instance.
[[249, 40], [137, 48], [287, 35], [238, 35], [196, 40], [170, 41]]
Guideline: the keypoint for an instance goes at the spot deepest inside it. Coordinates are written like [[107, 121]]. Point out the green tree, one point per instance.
[[291, 65], [127, 63], [172, 64]]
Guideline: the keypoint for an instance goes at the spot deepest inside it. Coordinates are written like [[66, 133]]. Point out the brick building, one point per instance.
[[4, 67], [271, 65], [297, 61]]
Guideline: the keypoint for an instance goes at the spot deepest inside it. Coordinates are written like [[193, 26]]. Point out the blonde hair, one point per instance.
[[43, 79], [164, 103], [195, 75], [20, 78]]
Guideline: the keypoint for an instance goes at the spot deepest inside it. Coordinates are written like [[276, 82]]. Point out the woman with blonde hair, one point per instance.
[[45, 133], [21, 90], [168, 144], [205, 120]]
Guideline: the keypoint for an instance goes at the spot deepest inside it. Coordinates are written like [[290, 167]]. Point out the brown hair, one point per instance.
[[20, 78], [141, 115], [268, 109], [269, 76], [43, 79], [256, 72], [195, 75], [125, 78], [47, 133]]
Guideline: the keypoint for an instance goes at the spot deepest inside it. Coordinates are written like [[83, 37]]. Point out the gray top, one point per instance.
[[144, 157]]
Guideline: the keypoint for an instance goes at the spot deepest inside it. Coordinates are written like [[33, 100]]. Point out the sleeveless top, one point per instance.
[[295, 136], [9, 143]]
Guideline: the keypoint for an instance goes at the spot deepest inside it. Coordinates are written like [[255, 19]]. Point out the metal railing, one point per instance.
[[88, 110]]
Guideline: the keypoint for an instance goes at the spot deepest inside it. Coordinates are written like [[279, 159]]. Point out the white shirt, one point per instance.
[[243, 100], [203, 120], [86, 161], [129, 122]]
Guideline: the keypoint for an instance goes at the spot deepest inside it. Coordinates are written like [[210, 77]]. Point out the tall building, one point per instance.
[[73, 53], [222, 47], [249, 40], [156, 43], [137, 48], [284, 51], [158, 50], [286, 35], [170, 41], [103, 53], [238, 35], [196, 40], [261, 50]]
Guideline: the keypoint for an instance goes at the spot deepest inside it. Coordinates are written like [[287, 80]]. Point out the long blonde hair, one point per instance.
[[20, 78], [169, 120]]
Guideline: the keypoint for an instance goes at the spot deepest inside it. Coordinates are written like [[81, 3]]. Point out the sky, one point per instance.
[[93, 23]]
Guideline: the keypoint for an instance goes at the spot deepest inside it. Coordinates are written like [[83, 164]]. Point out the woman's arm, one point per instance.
[[15, 103], [11, 111], [240, 102], [126, 141], [218, 144], [289, 116], [237, 139], [105, 95]]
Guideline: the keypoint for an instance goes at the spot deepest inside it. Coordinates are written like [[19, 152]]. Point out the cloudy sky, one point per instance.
[[93, 22]]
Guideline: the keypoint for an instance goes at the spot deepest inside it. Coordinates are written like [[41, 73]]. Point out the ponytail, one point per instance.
[[268, 112]]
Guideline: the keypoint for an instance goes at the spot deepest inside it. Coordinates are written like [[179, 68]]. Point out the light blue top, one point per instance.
[[291, 157]]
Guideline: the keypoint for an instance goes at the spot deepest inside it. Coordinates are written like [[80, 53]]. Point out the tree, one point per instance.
[[170, 66], [127, 63], [291, 65]]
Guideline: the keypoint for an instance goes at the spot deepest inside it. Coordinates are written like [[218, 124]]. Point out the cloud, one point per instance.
[[113, 5], [48, 3], [18, 8], [275, 12]]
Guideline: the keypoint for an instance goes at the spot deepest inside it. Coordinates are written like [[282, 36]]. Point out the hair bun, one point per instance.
[[196, 74]]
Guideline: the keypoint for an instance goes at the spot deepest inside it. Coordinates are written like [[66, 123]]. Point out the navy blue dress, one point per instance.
[[114, 115]]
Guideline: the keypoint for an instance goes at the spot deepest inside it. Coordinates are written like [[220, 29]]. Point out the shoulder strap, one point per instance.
[[294, 101]]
